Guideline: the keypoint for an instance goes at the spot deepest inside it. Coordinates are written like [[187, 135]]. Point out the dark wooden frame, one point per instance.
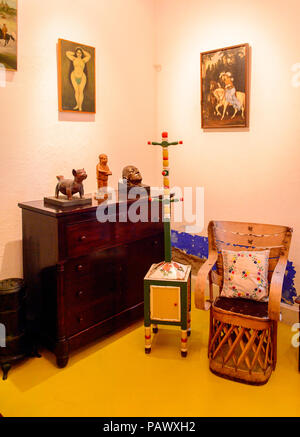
[[59, 54], [216, 124]]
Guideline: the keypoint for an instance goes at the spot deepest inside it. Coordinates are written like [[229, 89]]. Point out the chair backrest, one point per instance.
[[239, 236]]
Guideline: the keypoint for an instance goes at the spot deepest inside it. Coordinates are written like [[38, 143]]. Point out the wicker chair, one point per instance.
[[243, 333]]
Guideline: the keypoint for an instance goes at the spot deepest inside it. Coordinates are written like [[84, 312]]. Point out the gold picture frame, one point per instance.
[[225, 87], [76, 77]]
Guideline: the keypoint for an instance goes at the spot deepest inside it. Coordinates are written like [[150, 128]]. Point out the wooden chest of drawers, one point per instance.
[[84, 278]]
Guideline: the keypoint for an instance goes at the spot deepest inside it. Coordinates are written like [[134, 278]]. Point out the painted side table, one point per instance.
[[167, 300]]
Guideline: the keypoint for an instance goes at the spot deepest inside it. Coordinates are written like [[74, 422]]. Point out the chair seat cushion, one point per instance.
[[245, 307]]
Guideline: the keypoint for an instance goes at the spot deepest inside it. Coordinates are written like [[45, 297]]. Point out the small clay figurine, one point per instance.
[[102, 171], [132, 176], [69, 186]]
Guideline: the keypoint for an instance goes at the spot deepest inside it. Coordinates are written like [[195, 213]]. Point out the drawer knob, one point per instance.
[[82, 238], [79, 267], [80, 293], [80, 319]]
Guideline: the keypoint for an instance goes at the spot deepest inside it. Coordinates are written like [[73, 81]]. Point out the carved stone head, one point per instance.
[[132, 175]]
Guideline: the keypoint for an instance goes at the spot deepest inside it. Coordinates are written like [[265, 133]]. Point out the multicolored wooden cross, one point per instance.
[[167, 197]]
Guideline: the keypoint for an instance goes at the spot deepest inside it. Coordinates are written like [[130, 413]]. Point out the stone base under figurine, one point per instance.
[[64, 202], [124, 189]]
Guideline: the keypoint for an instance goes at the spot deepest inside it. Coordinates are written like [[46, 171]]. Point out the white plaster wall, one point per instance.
[[248, 175], [36, 142]]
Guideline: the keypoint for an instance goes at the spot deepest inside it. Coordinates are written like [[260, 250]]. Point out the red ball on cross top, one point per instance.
[[164, 135]]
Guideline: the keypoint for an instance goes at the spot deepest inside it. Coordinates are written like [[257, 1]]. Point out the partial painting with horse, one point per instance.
[[224, 90], [8, 34], [6, 37]]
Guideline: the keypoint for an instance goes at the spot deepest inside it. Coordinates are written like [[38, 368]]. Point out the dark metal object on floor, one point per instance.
[[13, 340]]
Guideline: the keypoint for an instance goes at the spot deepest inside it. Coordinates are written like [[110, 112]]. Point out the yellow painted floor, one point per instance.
[[114, 377]]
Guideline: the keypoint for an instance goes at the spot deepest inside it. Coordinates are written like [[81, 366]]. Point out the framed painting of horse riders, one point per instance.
[[8, 34], [76, 77], [225, 87]]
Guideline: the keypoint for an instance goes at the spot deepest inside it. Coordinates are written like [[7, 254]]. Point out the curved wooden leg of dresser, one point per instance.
[[62, 353], [62, 362], [5, 369]]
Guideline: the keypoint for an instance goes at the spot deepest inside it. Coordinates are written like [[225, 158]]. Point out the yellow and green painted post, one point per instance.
[[165, 144], [167, 297]]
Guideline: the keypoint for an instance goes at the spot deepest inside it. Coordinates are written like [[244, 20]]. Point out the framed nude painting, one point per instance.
[[8, 34], [224, 87], [76, 77]]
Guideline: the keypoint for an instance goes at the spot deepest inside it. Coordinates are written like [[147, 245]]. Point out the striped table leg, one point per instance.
[[189, 324], [147, 339], [184, 338]]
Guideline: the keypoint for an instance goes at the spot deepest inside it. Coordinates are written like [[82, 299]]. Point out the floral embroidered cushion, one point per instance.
[[246, 274]]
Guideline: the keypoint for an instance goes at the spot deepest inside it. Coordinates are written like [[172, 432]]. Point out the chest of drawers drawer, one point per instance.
[[84, 237], [77, 269], [89, 289], [126, 232], [86, 316], [90, 278]]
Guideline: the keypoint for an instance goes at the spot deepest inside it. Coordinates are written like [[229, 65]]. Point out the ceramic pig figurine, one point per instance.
[[69, 186]]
